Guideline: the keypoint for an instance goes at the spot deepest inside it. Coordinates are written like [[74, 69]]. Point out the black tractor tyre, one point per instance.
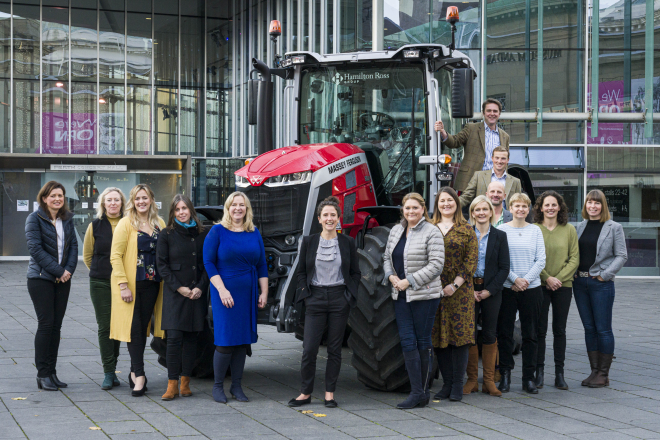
[[374, 338]]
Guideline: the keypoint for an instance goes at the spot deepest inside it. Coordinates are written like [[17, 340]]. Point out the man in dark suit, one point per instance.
[[479, 140]]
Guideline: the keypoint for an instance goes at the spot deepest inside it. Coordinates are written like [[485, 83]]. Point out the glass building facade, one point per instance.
[[135, 80]]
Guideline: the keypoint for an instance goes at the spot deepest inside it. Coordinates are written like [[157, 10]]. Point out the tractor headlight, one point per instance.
[[241, 181], [290, 240], [298, 59], [289, 179], [411, 53]]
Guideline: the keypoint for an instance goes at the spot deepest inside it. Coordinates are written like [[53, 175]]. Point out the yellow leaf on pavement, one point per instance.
[[94, 428], [18, 398], [319, 415], [307, 411]]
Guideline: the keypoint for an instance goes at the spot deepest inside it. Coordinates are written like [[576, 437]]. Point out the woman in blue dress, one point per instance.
[[235, 261]]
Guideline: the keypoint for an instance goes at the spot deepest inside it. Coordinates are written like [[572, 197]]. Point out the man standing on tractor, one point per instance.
[[479, 141]]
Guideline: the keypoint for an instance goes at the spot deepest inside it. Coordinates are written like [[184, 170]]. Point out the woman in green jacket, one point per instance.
[[562, 259]]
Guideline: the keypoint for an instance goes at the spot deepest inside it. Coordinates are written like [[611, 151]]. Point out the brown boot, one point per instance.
[[602, 375], [172, 390], [185, 387], [593, 361], [472, 386], [488, 357]]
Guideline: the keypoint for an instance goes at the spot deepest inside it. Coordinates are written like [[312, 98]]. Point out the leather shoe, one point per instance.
[[560, 383], [57, 382], [46, 384], [505, 381], [530, 387], [332, 403], [294, 403], [140, 393], [130, 381], [538, 380]]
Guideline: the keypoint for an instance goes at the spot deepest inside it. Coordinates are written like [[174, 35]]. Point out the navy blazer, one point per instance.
[[41, 239], [498, 262], [350, 268]]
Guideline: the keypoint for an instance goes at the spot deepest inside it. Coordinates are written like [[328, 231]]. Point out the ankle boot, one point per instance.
[[237, 366], [602, 378], [185, 386], [413, 366], [426, 364], [472, 384], [459, 361], [444, 364], [46, 384], [57, 382], [538, 380], [115, 380], [488, 357], [560, 383], [221, 362], [172, 390], [505, 382], [593, 361], [108, 381]]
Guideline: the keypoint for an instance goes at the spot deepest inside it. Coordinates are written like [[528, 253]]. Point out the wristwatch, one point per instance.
[[455, 286]]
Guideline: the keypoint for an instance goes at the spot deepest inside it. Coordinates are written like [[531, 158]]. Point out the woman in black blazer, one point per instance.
[[492, 269], [180, 261], [328, 276]]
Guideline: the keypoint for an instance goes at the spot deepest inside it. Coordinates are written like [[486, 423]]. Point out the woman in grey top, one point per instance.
[[328, 276]]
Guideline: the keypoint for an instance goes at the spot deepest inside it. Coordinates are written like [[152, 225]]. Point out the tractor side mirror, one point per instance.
[[253, 94], [462, 93], [316, 86]]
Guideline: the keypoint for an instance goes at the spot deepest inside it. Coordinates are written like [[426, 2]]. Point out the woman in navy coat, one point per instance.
[[235, 261]]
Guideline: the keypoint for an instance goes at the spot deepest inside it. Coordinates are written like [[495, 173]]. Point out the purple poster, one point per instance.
[[56, 132], [610, 100]]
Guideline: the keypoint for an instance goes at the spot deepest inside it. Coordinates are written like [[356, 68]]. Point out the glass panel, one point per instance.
[[138, 6], [193, 7], [515, 24], [406, 22], [213, 180], [111, 119], [138, 119], [553, 132], [622, 25], [85, 4], [111, 45], [5, 99], [570, 185], [26, 41], [166, 7], [317, 26], [305, 25], [27, 126], [166, 117], [468, 29], [83, 44], [55, 118], [192, 122], [294, 26], [5, 40], [166, 49], [218, 120], [165, 187], [83, 118], [218, 50], [329, 24], [217, 9], [111, 5], [192, 51], [16, 186], [61, 3], [139, 47], [55, 43]]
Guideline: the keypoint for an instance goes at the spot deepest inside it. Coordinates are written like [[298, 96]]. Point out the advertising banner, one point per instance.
[[610, 100], [56, 132]]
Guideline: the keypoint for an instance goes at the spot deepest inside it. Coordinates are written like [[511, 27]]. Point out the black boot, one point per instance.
[[46, 384], [416, 397], [459, 359], [444, 364], [221, 362], [560, 383], [530, 387], [505, 382], [237, 366], [538, 380], [57, 382], [426, 363]]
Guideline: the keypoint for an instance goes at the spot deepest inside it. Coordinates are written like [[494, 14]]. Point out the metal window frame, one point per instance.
[[41, 76], [70, 95], [178, 82], [126, 75], [154, 103], [205, 80], [98, 79], [336, 26], [234, 146], [11, 77]]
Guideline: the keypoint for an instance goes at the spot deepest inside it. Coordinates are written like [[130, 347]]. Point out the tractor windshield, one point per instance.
[[381, 108]]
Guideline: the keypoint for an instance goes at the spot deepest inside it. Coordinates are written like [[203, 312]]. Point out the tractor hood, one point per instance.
[[289, 160]]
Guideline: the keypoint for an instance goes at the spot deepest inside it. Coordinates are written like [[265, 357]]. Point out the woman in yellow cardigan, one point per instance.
[[137, 289]]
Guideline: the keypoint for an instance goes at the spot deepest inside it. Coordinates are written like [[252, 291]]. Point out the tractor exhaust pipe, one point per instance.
[[264, 103]]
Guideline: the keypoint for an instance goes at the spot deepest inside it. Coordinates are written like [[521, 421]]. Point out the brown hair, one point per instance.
[[458, 215], [562, 215], [45, 192], [193, 214], [491, 101], [599, 196], [419, 199], [501, 149], [329, 201]]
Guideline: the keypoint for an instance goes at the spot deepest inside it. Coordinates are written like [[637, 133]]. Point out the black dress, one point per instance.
[[180, 260]]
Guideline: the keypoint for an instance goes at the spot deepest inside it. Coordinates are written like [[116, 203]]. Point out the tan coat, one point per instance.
[[123, 257], [479, 186], [473, 139]]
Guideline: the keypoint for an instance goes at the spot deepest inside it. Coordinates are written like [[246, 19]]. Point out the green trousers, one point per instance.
[[101, 295]]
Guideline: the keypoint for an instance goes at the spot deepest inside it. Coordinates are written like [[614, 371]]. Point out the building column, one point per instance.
[[377, 28]]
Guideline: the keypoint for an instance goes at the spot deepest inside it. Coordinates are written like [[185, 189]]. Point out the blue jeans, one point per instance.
[[594, 300], [415, 322]]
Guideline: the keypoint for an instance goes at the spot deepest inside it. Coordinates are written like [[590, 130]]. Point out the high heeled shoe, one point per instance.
[[140, 393], [58, 383], [130, 381], [46, 384]]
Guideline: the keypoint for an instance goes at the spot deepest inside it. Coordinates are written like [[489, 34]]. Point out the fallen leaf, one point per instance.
[[307, 411], [94, 428], [117, 372], [436, 401], [319, 415], [18, 398]]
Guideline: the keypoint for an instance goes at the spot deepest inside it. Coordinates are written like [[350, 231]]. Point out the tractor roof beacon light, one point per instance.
[[275, 30], [452, 18]]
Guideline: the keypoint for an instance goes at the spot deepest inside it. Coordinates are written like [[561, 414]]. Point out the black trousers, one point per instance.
[[50, 300], [145, 300], [490, 310], [181, 353], [325, 307], [528, 303], [561, 304]]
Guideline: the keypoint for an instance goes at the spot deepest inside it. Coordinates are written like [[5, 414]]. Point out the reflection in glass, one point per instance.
[[166, 49], [26, 41], [167, 6], [4, 115], [83, 118], [347, 30], [111, 119], [27, 127], [138, 119], [55, 118], [193, 7], [83, 44], [55, 43], [622, 25], [192, 122], [192, 51], [139, 47], [5, 40], [218, 120], [468, 29], [218, 49], [213, 180], [111, 45], [329, 24], [569, 184], [166, 118]]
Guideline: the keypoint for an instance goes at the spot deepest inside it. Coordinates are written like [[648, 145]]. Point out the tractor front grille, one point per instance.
[[278, 210]]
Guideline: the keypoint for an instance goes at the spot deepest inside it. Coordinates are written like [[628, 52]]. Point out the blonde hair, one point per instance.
[[100, 209], [131, 212], [248, 226], [482, 199], [520, 198], [419, 199], [599, 196]]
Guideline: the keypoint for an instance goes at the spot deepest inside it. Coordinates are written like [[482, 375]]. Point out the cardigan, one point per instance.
[[561, 254]]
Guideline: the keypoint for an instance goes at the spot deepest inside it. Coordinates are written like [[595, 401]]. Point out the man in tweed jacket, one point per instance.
[[479, 140]]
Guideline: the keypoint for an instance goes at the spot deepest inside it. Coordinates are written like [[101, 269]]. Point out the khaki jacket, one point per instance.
[[473, 139], [479, 186]]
